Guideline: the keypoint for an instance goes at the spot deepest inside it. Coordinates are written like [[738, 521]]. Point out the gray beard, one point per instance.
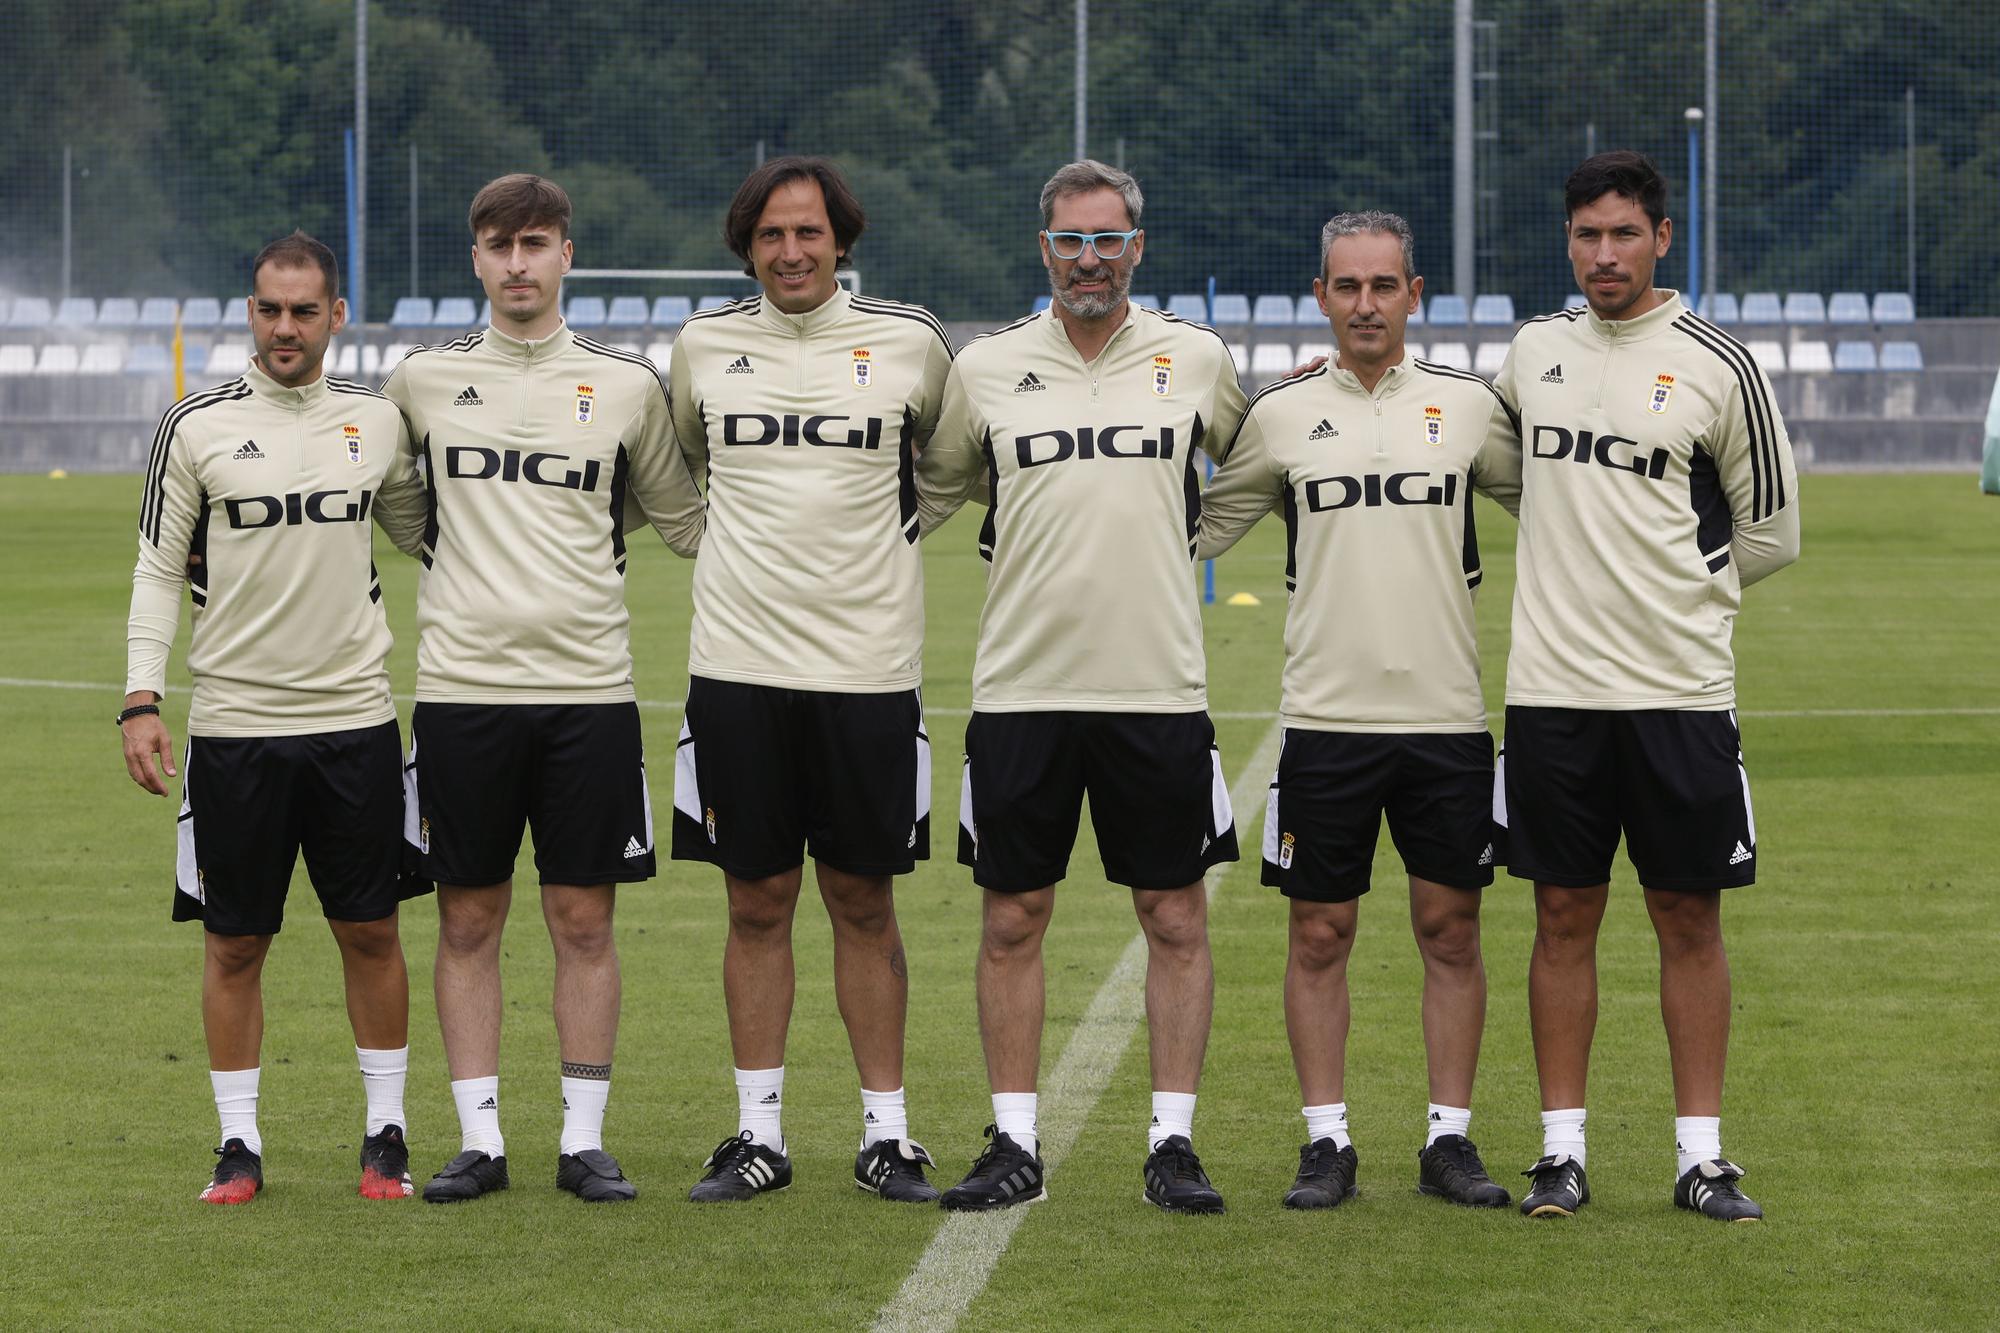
[[1093, 307]]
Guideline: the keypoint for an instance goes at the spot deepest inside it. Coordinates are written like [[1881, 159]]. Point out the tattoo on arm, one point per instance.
[[896, 963], [571, 1069]]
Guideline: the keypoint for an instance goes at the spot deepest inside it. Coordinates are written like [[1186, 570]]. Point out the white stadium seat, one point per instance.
[[1810, 356], [1575, 301], [1448, 310], [1853, 355], [226, 359], [118, 312], [454, 312], [157, 312], [669, 312], [1487, 358], [412, 312], [1768, 354], [1847, 308], [393, 353], [58, 359], [16, 359], [586, 312], [149, 359], [1307, 351], [236, 313], [1721, 308], [1241, 356], [1273, 311], [1492, 311], [1188, 305], [1271, 359], [29, 312], [627, 312], [1805, 308], [201, 312], [1232, 308], [659, 353], [371, 362], [1895, 308], [1455, 355], [347, 359], [76, 312], [1307, 311], [1413, 351], [1763, 308], [102, 359], [712, 303]]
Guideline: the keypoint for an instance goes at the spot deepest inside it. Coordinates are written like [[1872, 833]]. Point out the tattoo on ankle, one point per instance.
[[571, 1069], [896, 963]]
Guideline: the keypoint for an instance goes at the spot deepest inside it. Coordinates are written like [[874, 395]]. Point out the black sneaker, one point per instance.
[[1003, 1175], [385, 1165], [467, 1176], [1326, 1176], [1559, 1187], [1175, 1180], [894, 1169], [1451, 1169], [238, 1175], [741, 1168], [593, 1176], [1708, 1188]]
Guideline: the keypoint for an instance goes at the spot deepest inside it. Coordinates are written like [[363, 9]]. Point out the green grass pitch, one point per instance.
[[1861, 1086]]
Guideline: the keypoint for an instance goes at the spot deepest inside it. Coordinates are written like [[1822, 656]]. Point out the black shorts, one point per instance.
[[574, 773], [1671, 779], [1333, 788], [765, 776], [1157, 797], [251, 804]]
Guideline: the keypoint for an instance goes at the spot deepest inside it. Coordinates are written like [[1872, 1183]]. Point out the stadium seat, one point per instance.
[[1491, 311], [1487, 358], [57, 359], [626, 312], [1847, 308], [1811, 355], [158, 312], [29, 312], [102, 358], [1455, 355], [1575, 301], [16, 359], [670, 312], [1411, 350], [1188, 305], [1902, 355], [1853, 355], [225, 360], [659, 353], [118, 312], [201, 312], [236, 313], [485, 314], [371, 362], [347, 359], [1149, 302], [1270, 360], [1895, 308], [1232, 308], [1306, 310], [454, 312], [1241, 356], [586, 312], [1307, 351], [712, 302], [1043, 302], [1416, 316], [393, 353], [1768, 354], [412, 312], [76, 312], [149, 359], [1272, 311], [1805, 308], [1763, 308], [1448, 310]]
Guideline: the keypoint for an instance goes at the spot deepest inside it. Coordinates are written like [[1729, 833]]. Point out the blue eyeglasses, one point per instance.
[[1106, 244]]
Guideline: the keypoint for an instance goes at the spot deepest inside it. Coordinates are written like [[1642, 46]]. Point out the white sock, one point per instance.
[[478, 1102], [236, 1105], [382, 1077], [1327, 1122], [1173, 1113], [760, 1106], [883, 1116], [1697, 1139], [1562, 1132], [1443, 1120], [583, 1113], [1014, 1116]]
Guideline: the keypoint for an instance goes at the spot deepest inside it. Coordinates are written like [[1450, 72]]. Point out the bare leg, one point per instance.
[[1009, 981], [1694, 995], [870, 979], [232, 998], [378, 983], [1562, 989], [1316, 1000], [757, 977], [1446, 922], [1180, 982], [587, 988], [470, 923]]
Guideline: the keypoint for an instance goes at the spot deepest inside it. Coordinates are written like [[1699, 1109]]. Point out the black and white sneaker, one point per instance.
[[1559, 1187], [593, 1175], [1175, 1180], [385, 1165], [894, 1169], [1710, 1188], [239, 1174], [741, 1168], [1326, 1176], [1003, 1175], [1451, 1169], [467, 1176]]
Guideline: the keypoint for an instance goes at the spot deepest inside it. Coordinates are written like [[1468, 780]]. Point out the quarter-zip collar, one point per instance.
[[542, 349], [1645, 326], [828, 312], [305, 396], [1392, 379], [1052, 327]]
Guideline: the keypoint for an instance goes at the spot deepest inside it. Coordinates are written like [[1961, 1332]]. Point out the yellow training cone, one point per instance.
[[58, 473], [1244, 599]]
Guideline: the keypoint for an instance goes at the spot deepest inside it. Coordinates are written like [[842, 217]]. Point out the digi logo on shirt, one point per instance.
[[1613, 451], [1058, 446], [472, 462], [792, 430], [269, 511], [1324, 494]]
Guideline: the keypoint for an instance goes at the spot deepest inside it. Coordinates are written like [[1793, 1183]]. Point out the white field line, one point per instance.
[[961, 1256], [1222, 715]]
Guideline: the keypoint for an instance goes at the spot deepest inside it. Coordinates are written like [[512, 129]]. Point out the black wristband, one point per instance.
[[138, 710]]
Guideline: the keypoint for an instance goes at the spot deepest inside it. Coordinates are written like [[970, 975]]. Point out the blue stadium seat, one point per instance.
[[1492, 311], [1721, 308], [157, 313], [1805, 308], [236, 314], [1895, 308], [1232, 308], [1902, 355], [1307, 311], [1575, 301], [1847, 308], [626, 312], [1763, 308], [76, 312], [1043, 301], [1417, 316], [412, 312], [670, 312], [201, 312], [1188, 305], [148, 359], [1149, 302], [1854, 356], [1271, 311], [118, 312], [712, 302], [29, 312], [454, 312], [586, 312], [1448, 310]]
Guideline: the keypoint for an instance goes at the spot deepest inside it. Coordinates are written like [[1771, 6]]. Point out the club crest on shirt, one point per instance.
[[1286, 845], [586, 404], [1663, 389], [351, 436], [1163, 376], [864, 373], [1434, 426]]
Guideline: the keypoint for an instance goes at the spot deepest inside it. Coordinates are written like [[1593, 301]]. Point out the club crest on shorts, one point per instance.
[[424, 833], [864, 371], [586, 404], [1163, 376], [708, 822], [1434, 426], [1286, 845], [1663, 389], [350, 436]]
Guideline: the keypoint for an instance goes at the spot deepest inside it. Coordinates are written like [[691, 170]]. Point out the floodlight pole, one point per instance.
[[1695, 234], [414, 275], [1462, 220], [1712, 95], [357, 278], [66, 222], [1082, 77], [1909, 192]]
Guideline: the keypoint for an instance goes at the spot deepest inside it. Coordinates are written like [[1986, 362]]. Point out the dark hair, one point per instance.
[[843, 210], [1620, 171], [299, 251], [512, 204]]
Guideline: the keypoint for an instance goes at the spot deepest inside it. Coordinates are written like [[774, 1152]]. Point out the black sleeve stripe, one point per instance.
[[601, 350], [1572, 314], [349, 386], [153, 501], [877, 306], [1169, 317], [465, 344], [747, 305], [1450, 372], [1004, 328], [1766, 479], [1300, 377]]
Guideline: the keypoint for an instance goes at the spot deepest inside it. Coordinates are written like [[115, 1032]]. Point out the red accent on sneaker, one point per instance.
[[240, 1190], [375, 1185]]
